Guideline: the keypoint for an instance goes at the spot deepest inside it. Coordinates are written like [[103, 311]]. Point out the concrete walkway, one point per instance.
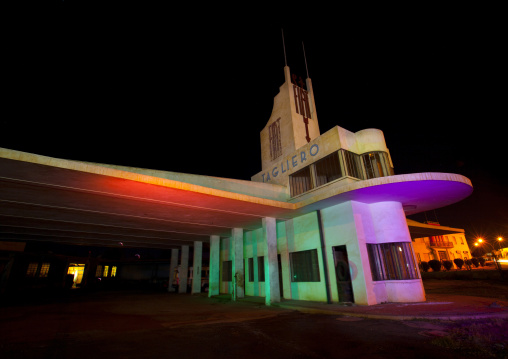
[[437, 307]]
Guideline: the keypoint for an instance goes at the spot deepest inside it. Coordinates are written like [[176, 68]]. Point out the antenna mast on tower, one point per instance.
[[284, 47], [305, 58]]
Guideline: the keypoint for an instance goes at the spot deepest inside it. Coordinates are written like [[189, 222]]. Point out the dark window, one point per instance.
[[328, 169], [275, 142], [392, 261], [227, 269], [261, 269], [304, 266], [300, 182], [377, 164], [251, 269], [352, 164], [98, 271]]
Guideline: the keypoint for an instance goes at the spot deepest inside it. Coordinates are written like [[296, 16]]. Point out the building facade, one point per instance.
[[324, 219], [350, 241], [441, 248]]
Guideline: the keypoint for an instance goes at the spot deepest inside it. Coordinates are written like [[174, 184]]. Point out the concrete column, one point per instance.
[[184, 268], [213, 277], [196, 267], [173, 264], [272, 292], [237, 259]]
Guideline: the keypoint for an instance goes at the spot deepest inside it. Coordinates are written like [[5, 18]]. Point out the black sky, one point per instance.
[[169, 90]]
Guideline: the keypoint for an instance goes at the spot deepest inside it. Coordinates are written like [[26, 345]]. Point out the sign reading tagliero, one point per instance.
[[289, 164]]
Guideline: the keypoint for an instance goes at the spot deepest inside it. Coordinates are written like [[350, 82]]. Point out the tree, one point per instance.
[[459, 262], [435, 265], [448, 265], [468, 264]]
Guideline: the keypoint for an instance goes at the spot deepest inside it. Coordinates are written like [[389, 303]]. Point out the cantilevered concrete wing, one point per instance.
[[49, 199]]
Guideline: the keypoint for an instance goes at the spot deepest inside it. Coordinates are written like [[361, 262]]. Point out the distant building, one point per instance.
[[442, 247]]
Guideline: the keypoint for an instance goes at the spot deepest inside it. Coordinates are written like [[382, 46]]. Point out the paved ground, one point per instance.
[[120, 324]]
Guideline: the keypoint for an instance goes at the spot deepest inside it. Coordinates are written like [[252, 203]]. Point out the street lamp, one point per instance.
[[499, 240], [480, 241]]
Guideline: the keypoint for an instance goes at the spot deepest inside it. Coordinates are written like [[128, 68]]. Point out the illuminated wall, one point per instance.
[[350, 224], [454, 245]]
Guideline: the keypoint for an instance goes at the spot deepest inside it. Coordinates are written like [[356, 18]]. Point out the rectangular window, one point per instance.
[[300, 182], [98, 271], [32, 269], [352, 164], [106, 270], [113, 271], [328, 169], [227, 271], [392, 261], [304, 266], [44, 270], [377, 164], [251, 269], [261, 269]]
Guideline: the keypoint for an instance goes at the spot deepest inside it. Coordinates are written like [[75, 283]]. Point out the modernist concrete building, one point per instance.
[[324, 219]]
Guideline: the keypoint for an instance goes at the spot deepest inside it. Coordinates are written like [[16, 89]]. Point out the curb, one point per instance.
[[398, 317]]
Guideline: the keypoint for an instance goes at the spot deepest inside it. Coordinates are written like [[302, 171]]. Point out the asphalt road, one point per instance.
[[137, 325], [164, 325]]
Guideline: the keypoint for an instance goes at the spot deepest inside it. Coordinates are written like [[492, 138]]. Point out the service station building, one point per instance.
[[324, 219]]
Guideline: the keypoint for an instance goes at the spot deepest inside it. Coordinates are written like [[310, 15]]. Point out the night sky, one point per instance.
[[160, 89]]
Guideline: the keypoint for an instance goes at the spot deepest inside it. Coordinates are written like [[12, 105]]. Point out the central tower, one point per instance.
[[293, 122]]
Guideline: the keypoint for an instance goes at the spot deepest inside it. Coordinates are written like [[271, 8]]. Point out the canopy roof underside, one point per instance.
[[73, 202]]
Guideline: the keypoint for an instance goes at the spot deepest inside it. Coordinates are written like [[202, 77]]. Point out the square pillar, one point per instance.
[[184, 268], [238, 271], [173, 264], [196, 267], [213, 276], [272, 291]]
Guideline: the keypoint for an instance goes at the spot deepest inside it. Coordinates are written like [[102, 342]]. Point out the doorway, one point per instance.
[[342, 274]]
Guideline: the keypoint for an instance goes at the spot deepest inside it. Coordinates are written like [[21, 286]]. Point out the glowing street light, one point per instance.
[[480, 241], [499, 240]]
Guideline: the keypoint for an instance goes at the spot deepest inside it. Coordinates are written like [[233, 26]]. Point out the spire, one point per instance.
[[305, 58], [284, 47]]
